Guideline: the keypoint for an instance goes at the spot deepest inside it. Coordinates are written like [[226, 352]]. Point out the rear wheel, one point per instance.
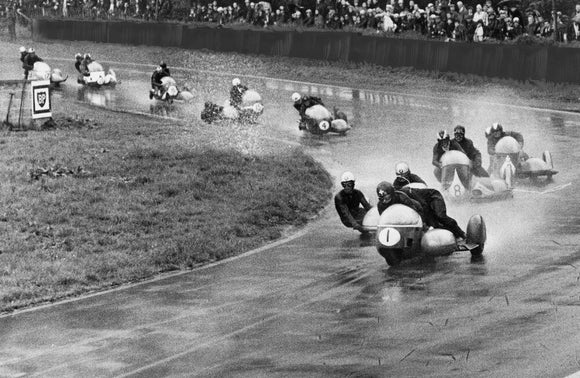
[[392, 256]]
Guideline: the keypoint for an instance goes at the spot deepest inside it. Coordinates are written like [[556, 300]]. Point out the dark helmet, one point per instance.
[[385, 188], [163, 65], [459, 130], [442, 135]]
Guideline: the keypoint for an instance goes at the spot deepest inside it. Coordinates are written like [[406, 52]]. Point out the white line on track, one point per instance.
[[523, 107]]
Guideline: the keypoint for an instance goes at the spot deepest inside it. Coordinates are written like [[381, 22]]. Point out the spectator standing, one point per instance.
[[574, 29]]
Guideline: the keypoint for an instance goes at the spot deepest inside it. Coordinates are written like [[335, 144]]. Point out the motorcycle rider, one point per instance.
[[472, 153], [237, 92], [494, 133], [78, 62], [404, 176], [435, 210], [165, 69], [156, 84], [444, 144], [389, 196], [301, 103], [23, 53], [348, 203], [29, 60]]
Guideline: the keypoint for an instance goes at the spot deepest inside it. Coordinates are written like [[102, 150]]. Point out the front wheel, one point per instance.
[[393, 257]]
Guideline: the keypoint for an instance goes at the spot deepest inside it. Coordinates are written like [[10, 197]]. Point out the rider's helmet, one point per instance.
[[87, 56], [346, 177], [236, 82], [31, 50], [402, 169], [442, 135], [295, 96], [459, 130], [163, 65], [22, 49], [78, 56], [385, 192], [496, 127]]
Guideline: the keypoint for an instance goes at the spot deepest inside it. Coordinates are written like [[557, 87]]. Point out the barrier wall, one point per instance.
[[520, 62]]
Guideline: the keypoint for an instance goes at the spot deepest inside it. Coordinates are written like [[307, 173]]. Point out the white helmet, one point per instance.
[[236, 82], [347, 176], [22, 49], [443, 135], [30, 50], [401, 168], [295, 96]]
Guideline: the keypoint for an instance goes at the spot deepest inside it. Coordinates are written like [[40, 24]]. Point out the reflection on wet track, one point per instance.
[[325, 303]]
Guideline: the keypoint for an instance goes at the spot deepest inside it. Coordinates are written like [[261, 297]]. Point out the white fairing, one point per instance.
[[454, 157], [535, 164], [400, 215], [371, 219], [340, 126], [57, 76], [167, 81], [40, 71], [172, 91], [250, 97], [95, 67], [507, 145], [229, 111], [318, 112], [438, 242]]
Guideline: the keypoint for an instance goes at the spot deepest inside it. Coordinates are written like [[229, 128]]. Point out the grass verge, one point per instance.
[[95, 203]]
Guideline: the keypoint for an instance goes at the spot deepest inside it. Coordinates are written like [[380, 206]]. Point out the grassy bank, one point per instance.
[[100, 202]]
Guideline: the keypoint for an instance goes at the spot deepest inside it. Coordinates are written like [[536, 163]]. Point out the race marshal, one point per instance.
[[41, 99]]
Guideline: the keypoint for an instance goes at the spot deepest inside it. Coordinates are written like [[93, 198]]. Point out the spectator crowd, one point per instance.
[[449, 21]]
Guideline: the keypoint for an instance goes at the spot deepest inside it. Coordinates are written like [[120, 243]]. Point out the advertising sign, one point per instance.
[[41, 99]]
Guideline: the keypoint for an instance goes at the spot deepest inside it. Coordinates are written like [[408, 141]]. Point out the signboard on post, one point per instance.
[[41, 99]]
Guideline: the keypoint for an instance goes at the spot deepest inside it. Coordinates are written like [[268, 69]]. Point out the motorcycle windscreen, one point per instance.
[[95, 67], [318, 112]]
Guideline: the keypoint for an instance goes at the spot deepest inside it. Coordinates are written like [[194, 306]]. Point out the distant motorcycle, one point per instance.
[[42, 71], [97, 76], [458, 182], [168, 91], [248, 111], [525, 166], [319, 120]]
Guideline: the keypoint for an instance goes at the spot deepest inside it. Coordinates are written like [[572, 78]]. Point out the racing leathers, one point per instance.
[[438, 151], [407, 179], [492, 139], [434, 209], [306, 102], [474, 156], [348, 204], [28, 63], [156, 84], [389, 196], [236, 94]]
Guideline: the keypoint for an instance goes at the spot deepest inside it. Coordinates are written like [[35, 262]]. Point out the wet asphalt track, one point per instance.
[[324, 303]]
